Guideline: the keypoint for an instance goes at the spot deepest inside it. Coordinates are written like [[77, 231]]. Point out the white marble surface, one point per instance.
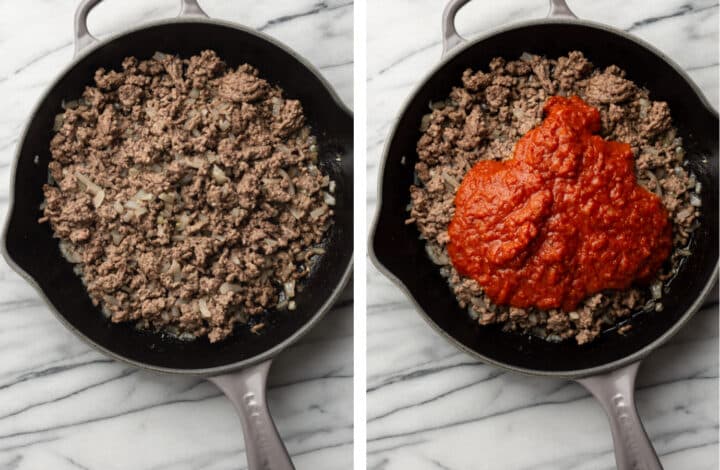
[[432, 407], [63, 405]]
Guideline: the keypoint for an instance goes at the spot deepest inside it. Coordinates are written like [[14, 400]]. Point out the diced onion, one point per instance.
[[316, 213], [450, 180], [182, 221], [91, 187], [291, 186], [219, 175], [143, 196], [553, 338], [685, 213], [226, 287], [328, 198], [473, 314], [69, 252], [98, 198], [204, 310], [656, 290], [194, 162], [657, 189], [116, 236], [175, 271], [436, 255], [289, 288], [277, 105], [58, 123], [425, 122]]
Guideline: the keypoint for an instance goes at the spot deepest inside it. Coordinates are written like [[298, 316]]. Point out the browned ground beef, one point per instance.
[[483, 118], [187, 194]]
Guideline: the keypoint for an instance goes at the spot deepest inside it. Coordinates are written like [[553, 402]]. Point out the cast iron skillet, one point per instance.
[[239, 366], [607, 367]]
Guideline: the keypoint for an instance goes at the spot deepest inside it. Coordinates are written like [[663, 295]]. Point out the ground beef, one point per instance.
[[187, 194], [486, 116]]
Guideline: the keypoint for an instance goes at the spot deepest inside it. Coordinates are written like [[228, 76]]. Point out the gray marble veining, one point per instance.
[[433, 407], [64, 406]]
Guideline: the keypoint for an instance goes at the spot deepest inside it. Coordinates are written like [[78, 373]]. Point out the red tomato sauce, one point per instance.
[[565, 218]]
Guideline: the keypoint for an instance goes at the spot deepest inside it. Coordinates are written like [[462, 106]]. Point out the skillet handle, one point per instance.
[[451, 38], [560, 9], [191, 8], [246, 390], [616, 393], [84, 39]]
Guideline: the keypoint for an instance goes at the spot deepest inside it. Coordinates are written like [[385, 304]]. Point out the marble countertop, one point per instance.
[[430, 406], [65, 406]]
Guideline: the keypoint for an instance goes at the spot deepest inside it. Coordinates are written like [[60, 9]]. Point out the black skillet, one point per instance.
[[239, 365], [608, 366]]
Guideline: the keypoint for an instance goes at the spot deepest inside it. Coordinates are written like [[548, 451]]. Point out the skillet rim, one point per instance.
[[203, 372], [444, 60]]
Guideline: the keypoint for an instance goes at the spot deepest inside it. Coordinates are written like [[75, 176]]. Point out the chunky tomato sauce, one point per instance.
[[563, 219]]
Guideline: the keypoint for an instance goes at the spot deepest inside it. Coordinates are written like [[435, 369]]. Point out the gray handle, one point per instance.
[[246, 390], [616, 393], [83, 38], [560, 9], [451, 38]]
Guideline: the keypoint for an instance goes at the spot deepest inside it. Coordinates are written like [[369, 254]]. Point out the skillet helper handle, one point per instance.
[[616, 393], [451, 38], [560, 9], [191, 8], [83, 39], [246, 390]]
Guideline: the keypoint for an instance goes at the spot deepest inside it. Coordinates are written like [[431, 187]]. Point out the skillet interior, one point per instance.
[[397, 248], [32, 248]]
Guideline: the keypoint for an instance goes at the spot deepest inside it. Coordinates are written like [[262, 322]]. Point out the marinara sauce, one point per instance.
[[563, 219]]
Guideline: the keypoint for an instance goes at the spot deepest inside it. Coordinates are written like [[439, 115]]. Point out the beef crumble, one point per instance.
[[483, 118], [187, 194]]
